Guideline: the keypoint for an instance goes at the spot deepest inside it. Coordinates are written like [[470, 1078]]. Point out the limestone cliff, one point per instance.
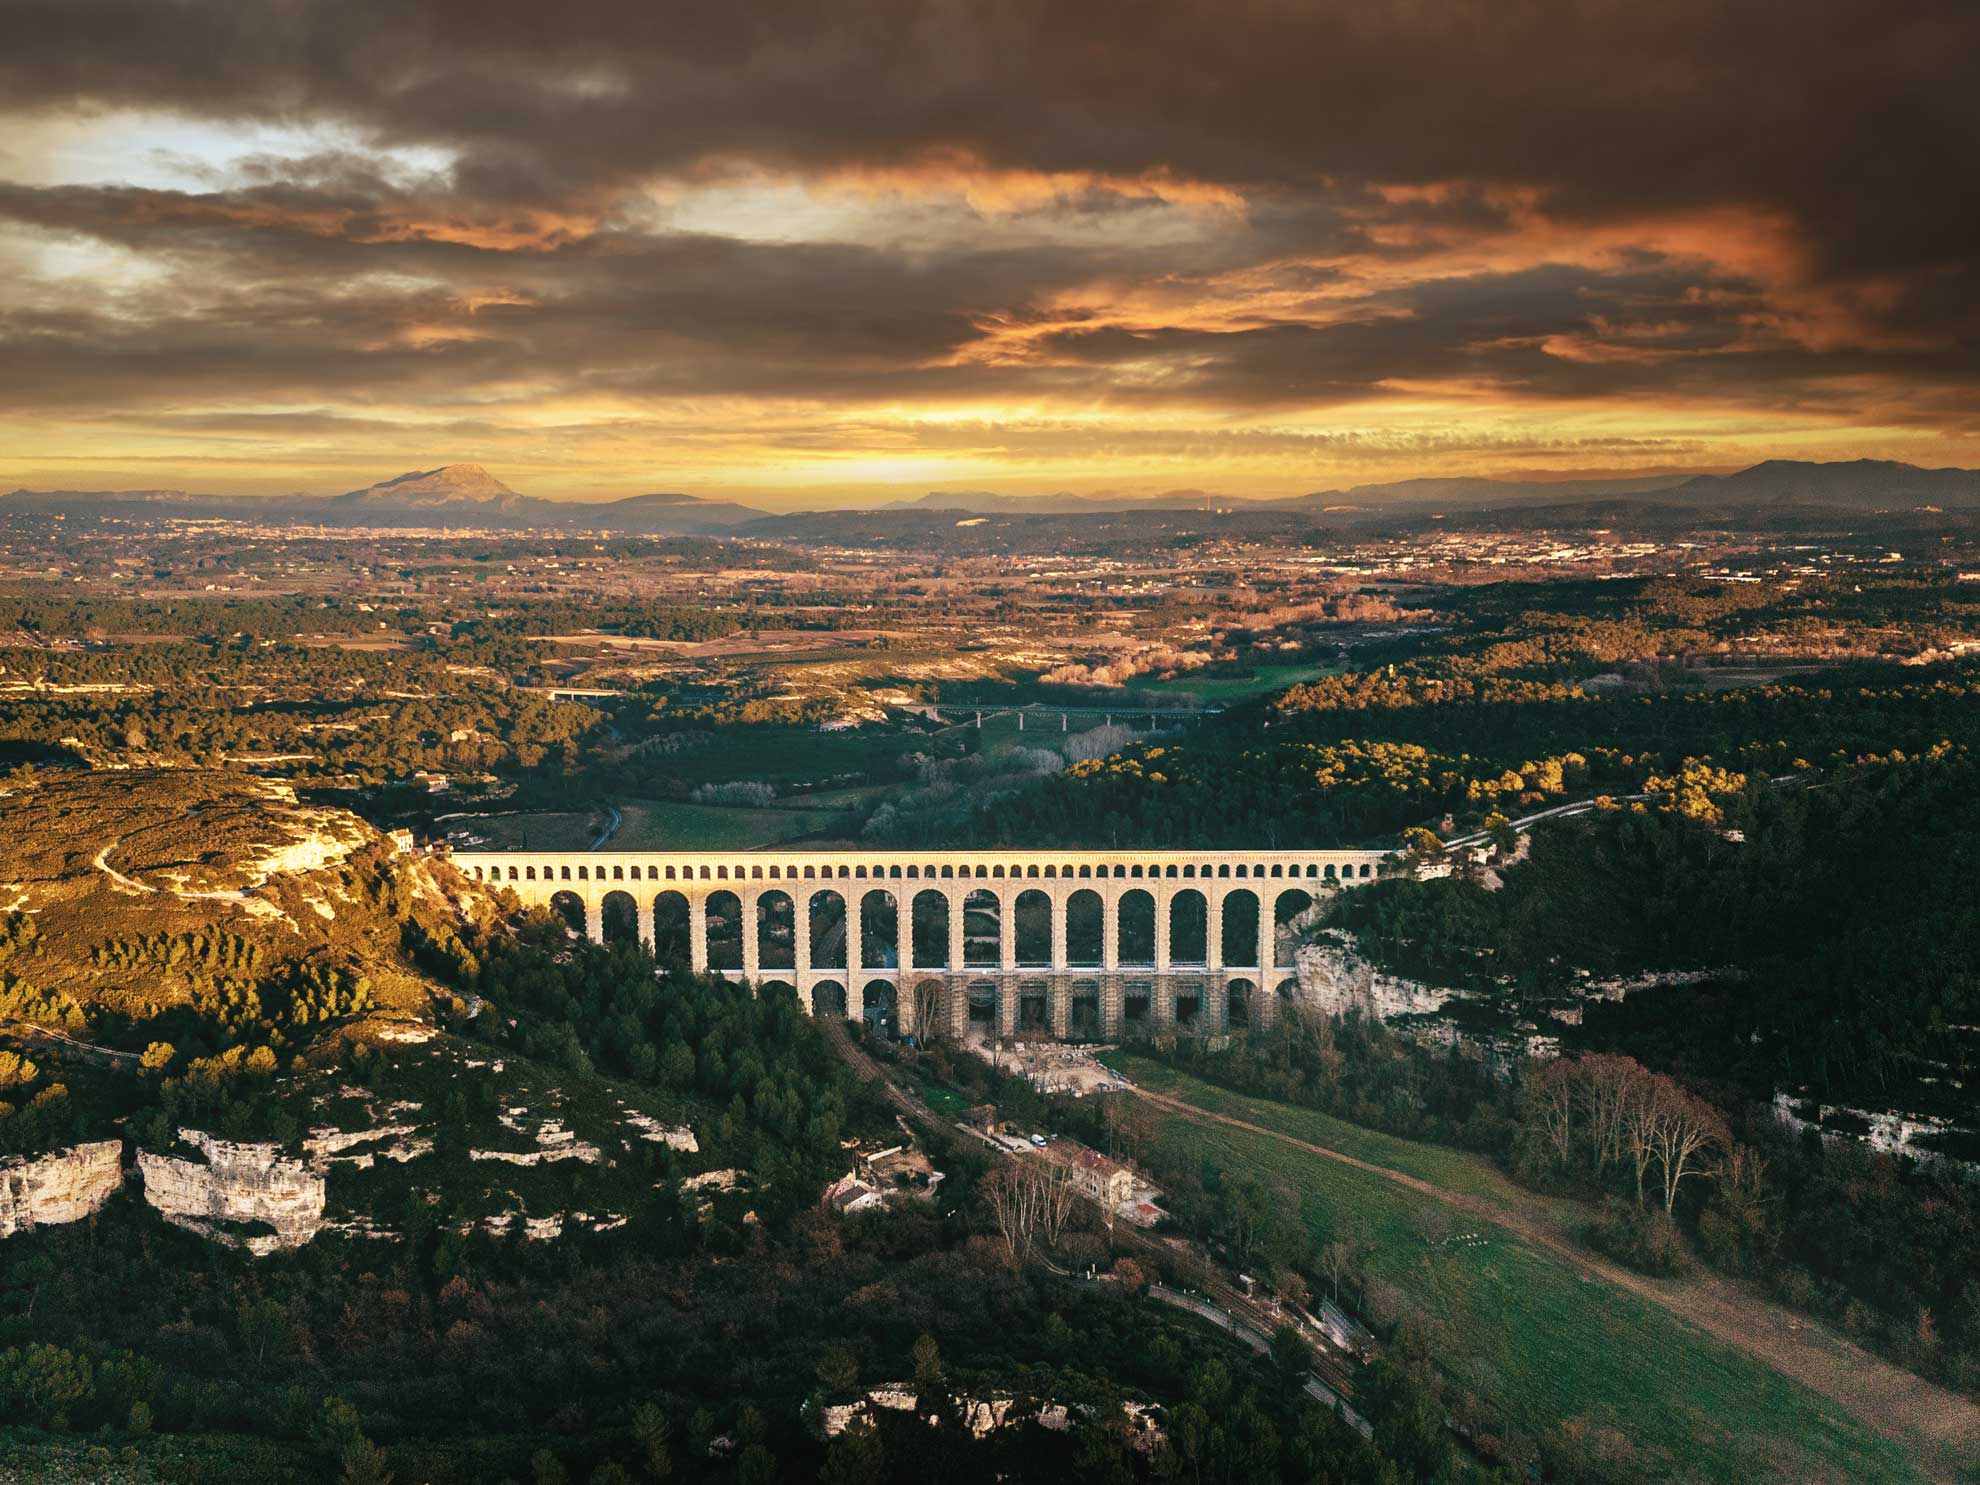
[[61, 1186], [1335, 979], [247, 1196]]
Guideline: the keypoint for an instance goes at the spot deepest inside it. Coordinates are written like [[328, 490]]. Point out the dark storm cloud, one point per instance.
[[1749, 205], [1855, 116], [297, 315]]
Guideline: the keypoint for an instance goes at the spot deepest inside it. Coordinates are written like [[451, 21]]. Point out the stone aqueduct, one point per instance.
[[1060, 943]]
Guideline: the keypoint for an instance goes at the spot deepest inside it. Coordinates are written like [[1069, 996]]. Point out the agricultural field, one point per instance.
[[660, 825], [1527, 1330], [1453, 1170], [534, 830], [1220, 690]]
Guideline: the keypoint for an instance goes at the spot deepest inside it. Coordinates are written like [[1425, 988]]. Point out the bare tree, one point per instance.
[[1432, 1222], [1638, 1124], [1333, 1063], [1131, 1125], [1609, 1084], [1030, 1199], [1744, 1202], [1011, 1202], [1292, 1288], [1337, 1262], [1056, 1203], [1683, 1131], [1553, 1098], [929, 1022]]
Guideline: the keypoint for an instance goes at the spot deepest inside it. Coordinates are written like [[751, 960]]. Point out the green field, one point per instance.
[[659, 825], [1217, 689], [944, 1100], [655, 825], [537, 830], [789, 757], [1454, 1170], [1527, 1329]]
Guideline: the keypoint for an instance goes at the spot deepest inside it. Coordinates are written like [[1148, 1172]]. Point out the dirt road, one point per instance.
[[55, 1036]]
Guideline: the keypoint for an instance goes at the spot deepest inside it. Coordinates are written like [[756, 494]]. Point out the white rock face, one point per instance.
[[327, 1147], [61, 1186], [316, 838], [235, 1185], [1336, 979], [410, 1031], [553, 1142], [716, 1180], [1890, 1131], [675, 1137], [1617, 987], [587, 1153]]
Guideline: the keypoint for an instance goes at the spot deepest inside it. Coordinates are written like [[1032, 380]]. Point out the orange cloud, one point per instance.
[[520, 230], [998, 190], [1797, 303]]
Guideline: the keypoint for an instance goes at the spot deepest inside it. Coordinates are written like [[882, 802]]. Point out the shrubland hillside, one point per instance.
[[287, 1026], [134, 896]]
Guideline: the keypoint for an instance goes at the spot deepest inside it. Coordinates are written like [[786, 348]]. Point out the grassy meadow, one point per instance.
[[1525, 1329], [1220, 690]]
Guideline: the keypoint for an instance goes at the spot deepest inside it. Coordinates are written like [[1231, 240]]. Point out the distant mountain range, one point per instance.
[[468, 496], [1859, 484], [1373, 499], [1862, 484], [452, 496], [1065, 503]]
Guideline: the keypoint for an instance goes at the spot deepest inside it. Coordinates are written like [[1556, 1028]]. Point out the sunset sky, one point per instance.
[[824, 253]]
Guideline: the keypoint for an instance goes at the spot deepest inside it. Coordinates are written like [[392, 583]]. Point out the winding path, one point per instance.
[[1940, 1429], [604, 837], [55, 1036]]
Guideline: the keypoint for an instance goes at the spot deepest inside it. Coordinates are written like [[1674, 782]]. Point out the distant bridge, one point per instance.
[[1062, 943], [1049, 718], [574, 693]]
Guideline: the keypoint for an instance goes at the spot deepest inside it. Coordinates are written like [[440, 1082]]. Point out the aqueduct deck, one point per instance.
[[1065, 943]]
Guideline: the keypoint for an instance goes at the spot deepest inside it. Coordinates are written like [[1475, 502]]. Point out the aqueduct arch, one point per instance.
[[1062, 943]]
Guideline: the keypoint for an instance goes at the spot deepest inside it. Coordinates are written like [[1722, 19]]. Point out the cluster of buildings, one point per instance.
[[885, 1177]]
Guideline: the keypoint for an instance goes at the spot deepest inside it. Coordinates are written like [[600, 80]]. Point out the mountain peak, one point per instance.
[[448, 484]]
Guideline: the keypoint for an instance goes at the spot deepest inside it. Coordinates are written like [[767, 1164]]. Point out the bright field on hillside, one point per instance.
[[1526, 1329]]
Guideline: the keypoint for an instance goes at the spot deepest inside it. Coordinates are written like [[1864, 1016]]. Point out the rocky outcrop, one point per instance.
[[674, 1137], [1334, 978], [553, 1142], [312, 852], [61, 1186], [1911, 1134], [327, 1147], [983, 1416], [246, 1196]]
